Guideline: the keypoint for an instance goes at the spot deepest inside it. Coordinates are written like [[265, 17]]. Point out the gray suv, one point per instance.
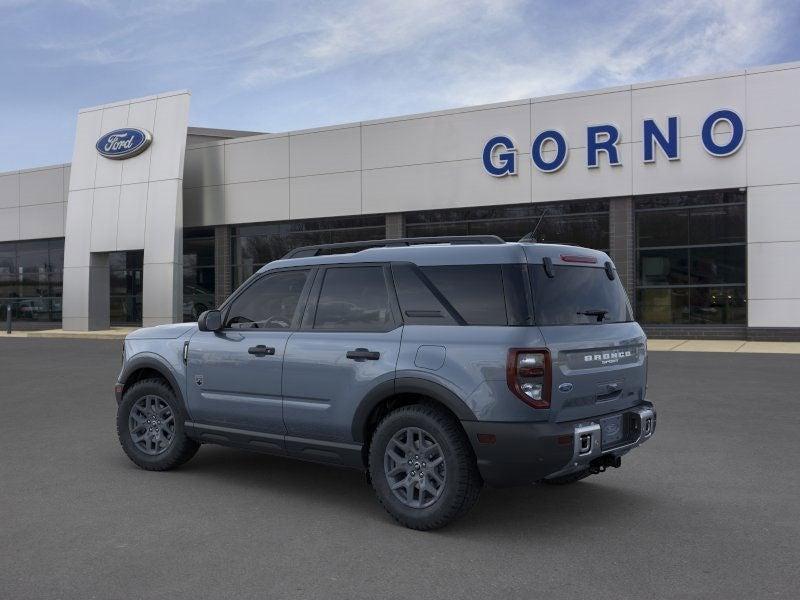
[[435, 365]]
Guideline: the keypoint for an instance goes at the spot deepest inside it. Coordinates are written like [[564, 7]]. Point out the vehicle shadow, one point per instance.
[[543, 509]]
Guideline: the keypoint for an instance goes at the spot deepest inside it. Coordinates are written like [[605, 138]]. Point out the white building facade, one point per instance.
[[692, 186]]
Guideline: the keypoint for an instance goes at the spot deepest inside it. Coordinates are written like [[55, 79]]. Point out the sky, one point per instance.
[[279, 66]]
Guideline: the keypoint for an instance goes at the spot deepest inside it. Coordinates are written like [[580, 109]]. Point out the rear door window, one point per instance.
[[354, 299], [578, 296]]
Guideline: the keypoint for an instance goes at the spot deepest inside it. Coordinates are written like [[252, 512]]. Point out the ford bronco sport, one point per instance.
[[435, 365]]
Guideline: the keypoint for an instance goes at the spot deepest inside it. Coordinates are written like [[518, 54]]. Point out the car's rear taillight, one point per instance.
[[528, 373]]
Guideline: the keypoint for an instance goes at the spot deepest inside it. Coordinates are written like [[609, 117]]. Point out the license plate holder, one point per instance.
[[611, 430]]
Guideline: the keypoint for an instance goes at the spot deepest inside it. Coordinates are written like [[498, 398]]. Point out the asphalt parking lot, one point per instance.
[[710, 508]]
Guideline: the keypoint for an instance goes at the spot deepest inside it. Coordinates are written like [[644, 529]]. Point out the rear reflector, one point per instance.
[[578, 258], [487, 438]]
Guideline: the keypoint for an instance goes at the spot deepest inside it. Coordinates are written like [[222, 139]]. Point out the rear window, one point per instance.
[[577, 296]]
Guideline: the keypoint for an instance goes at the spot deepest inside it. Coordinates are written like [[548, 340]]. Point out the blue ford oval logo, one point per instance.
[[565, 387], [123, 143]]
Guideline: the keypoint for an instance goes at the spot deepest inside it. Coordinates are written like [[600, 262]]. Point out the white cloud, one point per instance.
[[674, 40], [324, 39]]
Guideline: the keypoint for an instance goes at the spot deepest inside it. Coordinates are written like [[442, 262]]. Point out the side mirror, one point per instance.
[[210, 320]]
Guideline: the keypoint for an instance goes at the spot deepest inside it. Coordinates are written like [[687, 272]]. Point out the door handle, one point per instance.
[[361, 354], [261, 350]]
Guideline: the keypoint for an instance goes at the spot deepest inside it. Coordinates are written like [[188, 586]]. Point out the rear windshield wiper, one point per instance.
[[598, 312]]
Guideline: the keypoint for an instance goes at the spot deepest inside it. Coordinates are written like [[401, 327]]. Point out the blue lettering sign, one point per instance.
[[652, 135], [500, 152], [507, 157], [707, 134], [602, 138], [561, 151]]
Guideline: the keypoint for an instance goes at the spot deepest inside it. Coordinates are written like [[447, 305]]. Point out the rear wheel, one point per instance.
[[422, 467], [150, 427]]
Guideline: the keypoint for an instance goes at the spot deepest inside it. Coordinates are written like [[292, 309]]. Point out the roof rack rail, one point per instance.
[[306, 251]]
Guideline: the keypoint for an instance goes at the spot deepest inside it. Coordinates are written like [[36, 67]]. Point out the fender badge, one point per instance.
[[198, 379], [565, 387]]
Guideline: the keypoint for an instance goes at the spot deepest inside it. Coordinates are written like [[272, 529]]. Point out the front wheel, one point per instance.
[[150, 427], [422, 467]]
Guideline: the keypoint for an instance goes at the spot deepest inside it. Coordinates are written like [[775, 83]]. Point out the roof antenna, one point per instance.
[[531, 237]]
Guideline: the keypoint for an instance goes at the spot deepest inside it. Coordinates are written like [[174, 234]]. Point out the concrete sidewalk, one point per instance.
[[115, 333], [723, 346]]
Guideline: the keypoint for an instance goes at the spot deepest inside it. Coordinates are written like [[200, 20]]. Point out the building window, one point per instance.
[[253, 246], [582, 223], [691, 258], [31, 278], [125, 302], [198, 272]]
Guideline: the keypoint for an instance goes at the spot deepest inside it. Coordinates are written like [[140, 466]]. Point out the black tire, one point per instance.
[[180, 449], [462, 484], [568, 479]]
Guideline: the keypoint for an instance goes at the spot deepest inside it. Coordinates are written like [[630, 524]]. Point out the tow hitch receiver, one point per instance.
[[598, 465]]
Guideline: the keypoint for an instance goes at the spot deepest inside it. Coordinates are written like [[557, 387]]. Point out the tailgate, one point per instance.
[[597, 369]]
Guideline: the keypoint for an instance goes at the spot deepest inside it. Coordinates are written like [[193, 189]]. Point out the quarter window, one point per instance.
[[475, 291], [353, 299], [418, 302], [269, 303]]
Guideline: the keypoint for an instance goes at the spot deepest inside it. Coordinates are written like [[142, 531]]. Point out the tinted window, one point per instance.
[[718, 264], [663, 305], [664, 267], [718, 225], [354, 299], [663, 228], [566, 298], [575, 222], [417, 302], [269, 303], [475, 291]]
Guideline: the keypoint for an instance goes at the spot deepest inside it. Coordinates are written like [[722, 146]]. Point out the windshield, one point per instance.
[[578, 296]]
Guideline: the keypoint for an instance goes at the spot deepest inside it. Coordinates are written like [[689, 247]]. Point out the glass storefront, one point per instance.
[[692, 258], [691, 254], [255, 245], [31, 277], [198, 272], [582, 223], [126, 287]]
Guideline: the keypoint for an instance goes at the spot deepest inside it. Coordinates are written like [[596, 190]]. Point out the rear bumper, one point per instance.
[[523, 453]]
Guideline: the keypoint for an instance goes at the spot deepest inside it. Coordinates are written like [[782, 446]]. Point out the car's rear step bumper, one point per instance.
[[588, 444], [523, 453]]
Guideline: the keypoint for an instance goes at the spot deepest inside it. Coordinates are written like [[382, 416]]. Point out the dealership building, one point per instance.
[[691, 185]]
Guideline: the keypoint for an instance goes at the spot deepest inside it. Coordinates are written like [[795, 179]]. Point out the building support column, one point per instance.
[[222, 264], [395, 226], [621, 243]]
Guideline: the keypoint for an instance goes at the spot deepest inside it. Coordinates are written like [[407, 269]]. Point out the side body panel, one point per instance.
[[322, 388], [473, 365], [230, 387], [163, 355]]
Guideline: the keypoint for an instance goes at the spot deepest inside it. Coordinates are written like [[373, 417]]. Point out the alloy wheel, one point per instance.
[[151, 425], [414, 467]]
